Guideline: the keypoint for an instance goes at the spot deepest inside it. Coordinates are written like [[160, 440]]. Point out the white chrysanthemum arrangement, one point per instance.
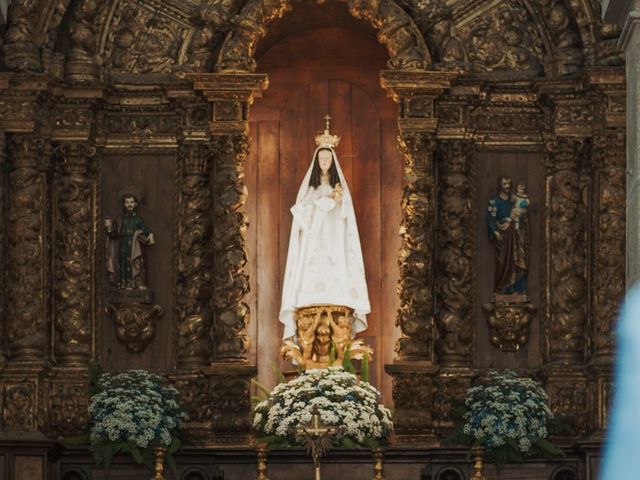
[[337, 396], [509, 416], [134, 412]]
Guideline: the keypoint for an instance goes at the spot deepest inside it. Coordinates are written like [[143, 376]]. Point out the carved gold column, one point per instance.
[[26, 251], [73, 254], [566, 296], [226, 387], [195, 272], [456, 254], [26, 292], [3, 252], [609, 219], [414, 371], [231, 96]]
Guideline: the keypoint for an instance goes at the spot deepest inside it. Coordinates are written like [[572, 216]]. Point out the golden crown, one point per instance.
[[325, 139]]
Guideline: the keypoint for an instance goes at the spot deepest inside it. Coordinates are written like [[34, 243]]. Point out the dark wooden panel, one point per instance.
[[391, 182], [269, 273], [365, 188], [153, 176], [526, 167], [251, 208]]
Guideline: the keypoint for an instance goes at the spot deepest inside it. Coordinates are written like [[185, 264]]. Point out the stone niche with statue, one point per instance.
[[155, 204]]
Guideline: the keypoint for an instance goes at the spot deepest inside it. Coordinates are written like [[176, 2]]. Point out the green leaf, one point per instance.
[[549, 448], [176, 443], [278, 373], [364, 367], [348, 443], [332, 353], [261, 387], [346, 360]]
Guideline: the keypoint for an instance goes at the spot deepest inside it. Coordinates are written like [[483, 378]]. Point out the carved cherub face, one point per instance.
[[129, 203], [343, 321], [325, 159]]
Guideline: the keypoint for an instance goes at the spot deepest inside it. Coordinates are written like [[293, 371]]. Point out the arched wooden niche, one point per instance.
[[311, 73]]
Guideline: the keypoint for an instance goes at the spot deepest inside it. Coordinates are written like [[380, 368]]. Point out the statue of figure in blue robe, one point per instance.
[[508, 224]]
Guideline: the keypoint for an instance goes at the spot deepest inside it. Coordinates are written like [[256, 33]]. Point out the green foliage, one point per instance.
[[278, 372], [346, 360], [364, 368], [332, 353]]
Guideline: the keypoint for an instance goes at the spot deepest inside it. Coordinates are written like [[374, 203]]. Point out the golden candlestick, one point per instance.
[[378, 464], [158, 456], [478, 466], [262, 464]]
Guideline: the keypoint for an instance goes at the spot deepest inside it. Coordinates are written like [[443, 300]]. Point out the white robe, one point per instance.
[[324, 262]]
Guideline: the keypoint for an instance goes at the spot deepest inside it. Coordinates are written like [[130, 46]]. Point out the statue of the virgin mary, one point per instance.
[[324, 262]]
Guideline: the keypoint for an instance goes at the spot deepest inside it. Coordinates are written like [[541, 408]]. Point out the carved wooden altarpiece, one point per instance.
[[92, 90]]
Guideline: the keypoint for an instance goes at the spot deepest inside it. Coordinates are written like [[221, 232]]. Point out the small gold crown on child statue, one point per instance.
[[325, 139]]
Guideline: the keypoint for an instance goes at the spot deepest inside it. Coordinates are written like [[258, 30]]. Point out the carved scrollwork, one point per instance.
[[73, 272], [231, 283], [81, 60], [144, 40], [26, 234], [503, 39], [415, 314], [455, 254], [20, 51], [567, 55], [450, 388], [609, 278], [413, 397], [67, 407], [231, 404], [569, 401], [19, 406], [566, 234], [135, 323], [396, 30], [194, 279]]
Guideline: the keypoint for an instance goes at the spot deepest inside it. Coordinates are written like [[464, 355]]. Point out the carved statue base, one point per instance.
[[509, 320], [319, 329], [134, 316], [79, 71]]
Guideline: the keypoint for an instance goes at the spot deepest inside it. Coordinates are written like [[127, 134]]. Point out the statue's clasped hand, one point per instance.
[[337, 193]]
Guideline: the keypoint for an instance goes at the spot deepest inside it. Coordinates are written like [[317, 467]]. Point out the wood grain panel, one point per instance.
[[153, 176], [251, 181], [526, 167]]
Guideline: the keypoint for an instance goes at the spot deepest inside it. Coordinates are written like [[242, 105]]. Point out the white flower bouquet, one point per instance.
[[134, 412], [337, 396], [509, 416]]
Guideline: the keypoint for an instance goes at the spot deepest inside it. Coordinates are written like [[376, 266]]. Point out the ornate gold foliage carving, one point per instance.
[[26, 289], [210, 22], [455, 254], [609, 276], [569, 400], [504, 38], [509, 322], [144, 40], [413, 396], [566, 234], [396, 30], [231, 283], [415, 315], [435, 20], [19, 406], [81, 60], [73, 272], [67, 406], [194, 277], [135, 323], [230, 400], [450, 388], [20, 51], [567, 54]]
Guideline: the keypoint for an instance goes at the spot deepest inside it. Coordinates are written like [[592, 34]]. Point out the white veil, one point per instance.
[[293, 270]]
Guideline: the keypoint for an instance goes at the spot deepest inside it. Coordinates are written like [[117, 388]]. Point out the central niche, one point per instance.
[[319, 66]]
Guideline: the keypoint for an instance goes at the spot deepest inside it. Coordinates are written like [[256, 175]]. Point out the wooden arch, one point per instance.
[[396, 30]]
